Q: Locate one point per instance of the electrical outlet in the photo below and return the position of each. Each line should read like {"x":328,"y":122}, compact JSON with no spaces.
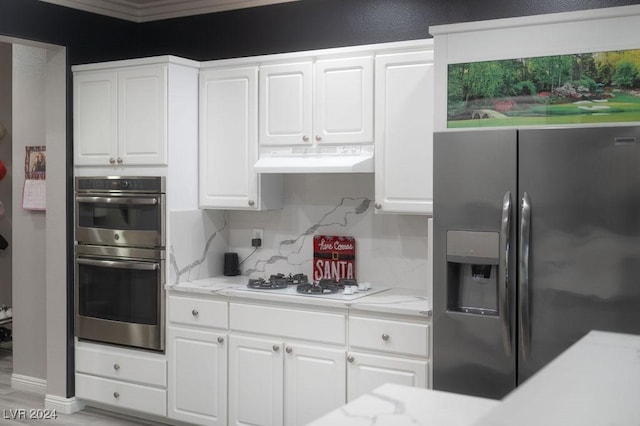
{"x":256,"y":237}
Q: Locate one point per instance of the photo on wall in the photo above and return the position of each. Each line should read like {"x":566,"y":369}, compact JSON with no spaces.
{"x":586,"y":88}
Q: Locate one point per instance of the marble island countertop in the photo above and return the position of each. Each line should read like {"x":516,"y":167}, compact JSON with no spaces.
{"x":388,"y":300}
{"x":594,"y":382}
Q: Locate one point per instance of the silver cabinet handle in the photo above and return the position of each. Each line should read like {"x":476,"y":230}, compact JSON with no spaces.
{"x":275,"y":348}
{"x":220,"y":339}
{"x":116,"y":395}
{"x":318,"y":138}
{"x":112,"y":160}
{"x":385,"y":337}
{"x":503,"y":273}
{"x":350,"y":358}
{"x":195,"y":313}
{"x":119,"y":160}
{"x":116,"y":367}
{"x":289,"y":349}
{"x":378,"y":206}
{"x":251,"y":203}
{"x":305,"y":138}
{"x":523,"y":275}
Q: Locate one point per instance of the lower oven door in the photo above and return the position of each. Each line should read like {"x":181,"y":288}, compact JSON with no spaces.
{"x":119,"y":296}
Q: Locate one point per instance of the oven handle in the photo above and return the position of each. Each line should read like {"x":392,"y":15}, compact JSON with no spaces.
{"x":117,"y":200}
{"x":119,"y":264}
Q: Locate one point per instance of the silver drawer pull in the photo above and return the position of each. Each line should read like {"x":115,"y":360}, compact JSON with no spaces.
{"x":116,"y":367}
{"x":276,"y":348}
{"x":116,"y":395}
{"x":195,"y":313}
{"x":385,"y":337}
{"x":289,"y":349}
{"x":350,"y":358}
{"x":220,"y":339}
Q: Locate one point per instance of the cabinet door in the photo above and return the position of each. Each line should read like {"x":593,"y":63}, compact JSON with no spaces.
{"x":228,"y":138}
{"x":404,"y":133}
{"x":285,"y":104}
{"x":142,"y":115}
{"x":95,"y":118}
{"x":197,"y":376}
{"x":343,"y":100}
{"x":366,"y":372}
{"x":315,"y":382}
{"x":255,"y":381}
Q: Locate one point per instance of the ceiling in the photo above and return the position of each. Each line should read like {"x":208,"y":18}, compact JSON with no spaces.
{"x":152,"y":10}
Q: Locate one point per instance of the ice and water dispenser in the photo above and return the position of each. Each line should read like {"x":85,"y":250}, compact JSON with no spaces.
{"x":472,"y":272}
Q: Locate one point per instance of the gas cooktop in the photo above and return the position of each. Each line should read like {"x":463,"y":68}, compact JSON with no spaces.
{"x":298,"y":284}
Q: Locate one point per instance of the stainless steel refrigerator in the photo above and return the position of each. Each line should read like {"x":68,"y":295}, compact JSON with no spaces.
{"x":536,"y":242}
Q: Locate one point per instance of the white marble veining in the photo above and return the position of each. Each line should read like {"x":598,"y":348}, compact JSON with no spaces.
{"x":391,"y":250}
{"x":196,"y":244}
{"x":396,"y":405}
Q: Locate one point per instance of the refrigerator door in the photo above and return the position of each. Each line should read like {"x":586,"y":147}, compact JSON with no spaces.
{"x":583,"y":251}
{"x":475,"y":209}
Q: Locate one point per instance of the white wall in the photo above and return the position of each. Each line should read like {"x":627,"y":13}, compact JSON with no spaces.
{"x":5,"y":184}
{"x":391,"y":250}
{"x":29,"y":250}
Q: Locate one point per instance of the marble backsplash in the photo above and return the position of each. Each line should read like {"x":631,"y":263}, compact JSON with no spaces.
{"x":391,"y":250}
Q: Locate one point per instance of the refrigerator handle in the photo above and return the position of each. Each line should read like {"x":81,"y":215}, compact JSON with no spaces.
{"x":523,"y":275}
{"x":504,"y":273}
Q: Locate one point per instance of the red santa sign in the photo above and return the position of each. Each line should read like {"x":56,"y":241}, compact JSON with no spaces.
{"x":334,"y":257}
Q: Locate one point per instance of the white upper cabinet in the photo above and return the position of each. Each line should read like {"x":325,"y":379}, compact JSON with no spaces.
{"x":329,"y":101}
{"x":229,"y":143}
{"x":285,"y":104}
{"x":404,"y":132}
{"x":120,"y":116}
{"x":125,"y":112}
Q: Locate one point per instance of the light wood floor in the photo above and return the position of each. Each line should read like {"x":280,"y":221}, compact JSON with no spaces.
{"x":12,"y":400}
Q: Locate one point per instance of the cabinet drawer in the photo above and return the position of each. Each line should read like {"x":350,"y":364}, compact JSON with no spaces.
{"x":389,"y":336}
{"x":310,"y":325}
{"x":122,"y":364}
{"x":198,"y":311}
{"x":120,"y":394}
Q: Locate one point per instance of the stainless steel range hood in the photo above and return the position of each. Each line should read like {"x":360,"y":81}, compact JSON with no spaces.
{"x":325,"y":159}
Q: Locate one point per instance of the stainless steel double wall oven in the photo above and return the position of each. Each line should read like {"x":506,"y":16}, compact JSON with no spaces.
{"x":120,"y":260}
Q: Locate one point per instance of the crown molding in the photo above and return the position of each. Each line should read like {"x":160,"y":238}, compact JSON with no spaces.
{"x":153,"y":10}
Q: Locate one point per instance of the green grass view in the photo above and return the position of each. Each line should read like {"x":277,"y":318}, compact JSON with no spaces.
{"x":570,"y":89}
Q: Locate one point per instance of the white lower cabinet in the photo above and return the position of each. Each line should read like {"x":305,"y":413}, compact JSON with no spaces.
{"x":275,"y":382}
{"x":366,"y":372}
{"x":287,"y":364}
{"x":197,"y":358}
{"x":121,"y":378}
{"x":197,"y":376}
{"x":386,"y":351}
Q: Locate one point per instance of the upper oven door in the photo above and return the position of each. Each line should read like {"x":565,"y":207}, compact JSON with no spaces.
{"x":135,"y":220}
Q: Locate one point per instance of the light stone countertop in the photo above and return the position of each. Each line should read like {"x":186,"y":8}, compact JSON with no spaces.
{"x":394,"y":301}
{"x":593,"y":383}
{"x":396,"y":405}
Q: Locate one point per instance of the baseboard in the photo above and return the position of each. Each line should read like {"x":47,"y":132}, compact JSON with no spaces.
{"x":63,"y":405}
{"x":29,"y":384}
